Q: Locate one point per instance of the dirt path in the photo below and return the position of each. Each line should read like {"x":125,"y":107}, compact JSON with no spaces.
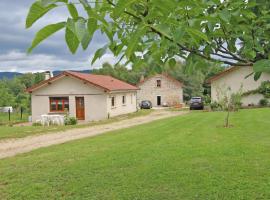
{"x":12,"y":147}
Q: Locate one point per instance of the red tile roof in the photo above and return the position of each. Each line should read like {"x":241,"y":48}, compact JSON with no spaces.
{"x":107,"y":83}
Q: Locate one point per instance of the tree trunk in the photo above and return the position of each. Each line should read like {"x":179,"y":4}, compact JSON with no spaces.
{"x":227,"y":119}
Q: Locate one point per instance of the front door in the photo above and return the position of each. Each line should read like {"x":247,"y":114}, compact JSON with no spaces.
{"x":158,"y":100}
{"x":80,"y":114}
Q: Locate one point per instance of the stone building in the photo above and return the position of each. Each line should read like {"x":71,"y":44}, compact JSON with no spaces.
{"x":160,"y":89}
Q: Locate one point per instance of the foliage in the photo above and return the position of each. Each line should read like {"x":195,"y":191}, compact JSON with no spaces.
{"x":36,"y":124}
{"x":186,"y":157}
{"x":264,"y":89}
{"x":12,"y":91}
{"x":229,"y":101}
{"x":264,"y":102}
{"x":70,"y":120}
{"x":215,"y":106}
{"x":225,"y":31}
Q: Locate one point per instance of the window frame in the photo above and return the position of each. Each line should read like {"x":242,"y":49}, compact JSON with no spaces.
{"x":113,"y":101}
{"x":63,"y":100}
{"x":124,"y":100}
{"x":158,"y":83}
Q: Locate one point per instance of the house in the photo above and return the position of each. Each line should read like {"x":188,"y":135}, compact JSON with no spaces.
{"x":85,"y":96}
{"x":238,"y":80}
{"x":160,"y":89}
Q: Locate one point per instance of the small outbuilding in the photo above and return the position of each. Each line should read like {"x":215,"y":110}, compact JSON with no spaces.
{"x":160,"y":89}
{"x":84,"y":96}
{"x":238,"y":79}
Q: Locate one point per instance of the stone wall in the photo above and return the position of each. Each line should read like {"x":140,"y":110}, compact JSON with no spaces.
{"x":171,"y":91}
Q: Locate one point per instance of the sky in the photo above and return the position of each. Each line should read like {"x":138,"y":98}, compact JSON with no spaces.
{"x":52,"y":54}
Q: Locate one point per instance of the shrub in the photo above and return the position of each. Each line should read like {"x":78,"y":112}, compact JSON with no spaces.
{"x":37,"y":124}
{"x":207,"y":99}
{"x":264,"y":102}
{"x":215,"y":106}
{"x":70,"y":120}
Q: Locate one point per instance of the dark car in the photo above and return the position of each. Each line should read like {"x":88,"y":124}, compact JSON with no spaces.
{"x":196,"y":103}
{"x":146,"y":104}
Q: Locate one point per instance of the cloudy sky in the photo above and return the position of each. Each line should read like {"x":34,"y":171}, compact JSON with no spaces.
{"x":52,"y":54}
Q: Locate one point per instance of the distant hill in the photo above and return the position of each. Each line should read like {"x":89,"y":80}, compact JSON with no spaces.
{"x":55,"y":73}
{"x":10,"y":75}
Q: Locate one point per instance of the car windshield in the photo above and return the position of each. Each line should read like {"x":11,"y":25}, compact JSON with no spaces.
{"x":145,"y":103}
{"x":196,"y":99}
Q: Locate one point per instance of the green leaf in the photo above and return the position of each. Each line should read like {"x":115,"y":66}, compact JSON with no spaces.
{"x":197,"y":34}
{"x":71,"y":40}
{"x":85,"y":4}
{"x":257,"y":75}
{"x":92,"y":25}
{"x":80,"y":28}
{"x":47,"y":2}
{"x":72,"y":10}
{"x":99,"y":53}
{"x":134,"y":40}
{"x":86,"y":40}
{"x":172,"y":62}
{"x":225,"y":15}
{"x":37,"y":11}
{"x":262,"y":66}
{"x":122,"y":5}
{"x":45,"y":33}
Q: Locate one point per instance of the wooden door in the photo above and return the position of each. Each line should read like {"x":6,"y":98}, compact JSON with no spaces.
{"x":80,"y":111}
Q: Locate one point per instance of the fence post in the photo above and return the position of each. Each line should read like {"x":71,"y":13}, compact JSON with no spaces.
{"x":9,"y":114}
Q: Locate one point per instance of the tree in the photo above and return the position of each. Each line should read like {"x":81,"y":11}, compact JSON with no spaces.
{"x":229,"y":101}
{"x":231,"y":32}
{"x":12,"y":91}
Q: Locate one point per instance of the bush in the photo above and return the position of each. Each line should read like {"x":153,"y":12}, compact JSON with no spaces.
{"x":264,"y":102}
{"x":70,"y":120}
{"x":215,"y":106}
{"x":37,"y":124}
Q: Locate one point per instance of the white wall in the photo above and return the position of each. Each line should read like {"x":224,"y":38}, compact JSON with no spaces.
{"x":119,"y":108}
{"x":235,"y":80}
{"x":95,"y":98}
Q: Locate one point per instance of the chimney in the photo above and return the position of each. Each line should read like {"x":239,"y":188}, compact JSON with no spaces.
{"x":48,"y":75}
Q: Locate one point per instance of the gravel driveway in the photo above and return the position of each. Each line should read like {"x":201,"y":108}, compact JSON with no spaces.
{"x":12,"y":147}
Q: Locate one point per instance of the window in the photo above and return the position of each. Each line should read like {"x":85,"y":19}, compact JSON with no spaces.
{"x":131,"y":98}
{"x":123,"y":100}
{"x":59,"y":104}
{"x":113,"y":101}
{"x":158,"y":83}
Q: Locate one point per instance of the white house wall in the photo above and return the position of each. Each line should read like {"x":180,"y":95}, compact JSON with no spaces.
{"x":120,"y":108}
{"x":236,"y":80}
{"x":95,"y":98}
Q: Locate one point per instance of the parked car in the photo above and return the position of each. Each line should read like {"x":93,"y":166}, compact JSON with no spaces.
{"x":146,"y":104}
{"x":196,"y":103}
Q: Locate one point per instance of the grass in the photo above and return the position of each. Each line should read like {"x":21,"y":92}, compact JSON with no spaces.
{"x":14,"y":118}
{"x":185,"y":157}
{"x":7,"y":132}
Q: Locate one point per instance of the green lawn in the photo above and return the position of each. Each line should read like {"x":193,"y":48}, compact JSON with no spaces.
{"x":185,"y":157}
{"x":7,"y":132}
{"x":14,"y":118}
